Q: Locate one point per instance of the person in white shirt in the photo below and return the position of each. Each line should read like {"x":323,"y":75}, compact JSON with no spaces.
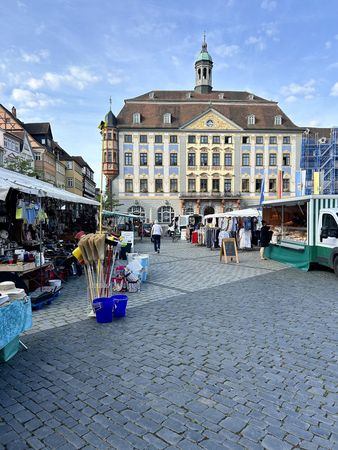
{"x":156,"y":233}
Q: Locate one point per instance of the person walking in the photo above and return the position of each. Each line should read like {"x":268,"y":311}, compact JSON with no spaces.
{"x":265,"y":238}
{"x":156,"y":233}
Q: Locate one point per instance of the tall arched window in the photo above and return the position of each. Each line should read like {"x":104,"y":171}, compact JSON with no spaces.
{"x":189,"y":210}
{"x":199,"y":74}
{"x":165,"y":214}
{"x":137,"y":211}
{"x":204,"y":73}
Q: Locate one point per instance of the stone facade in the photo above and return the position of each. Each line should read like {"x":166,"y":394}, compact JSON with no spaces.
{"x":200,"y":151}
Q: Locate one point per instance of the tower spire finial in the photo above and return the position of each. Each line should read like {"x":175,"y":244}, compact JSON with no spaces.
{"x":110,"y":102}
{"x":204,"y":43}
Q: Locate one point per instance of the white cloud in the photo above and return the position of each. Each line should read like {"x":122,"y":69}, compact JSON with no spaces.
{"x":3,"y":67}
{"x":268,"y":4}
{"x":300,"y":90}
{"x":226,"y":51}
{"x":34,"y":57}
{"x":34,"y":83}
{"x":257,"y":41}
{"x":291,"y":99}
{"x":2,"y":87}
{"x":334,"y":90}
{"x":75,"y":76}
{"x":29,"y":99}
{"x":328,"y":44}
{"x":114,"y":79}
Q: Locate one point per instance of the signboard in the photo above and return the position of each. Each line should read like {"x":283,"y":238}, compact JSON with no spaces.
{"x":128,"y":236}
{"x":229,"y":250}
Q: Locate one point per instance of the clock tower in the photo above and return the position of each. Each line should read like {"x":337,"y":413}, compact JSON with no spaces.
{"x":203,"y":71}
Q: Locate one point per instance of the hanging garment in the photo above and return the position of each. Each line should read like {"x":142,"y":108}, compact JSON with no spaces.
{"x":222,"y":235}
{"x":247,"y":223}
{"x":244,"y":238}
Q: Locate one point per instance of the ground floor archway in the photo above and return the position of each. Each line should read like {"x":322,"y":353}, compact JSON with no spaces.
{"x":209,"y":210}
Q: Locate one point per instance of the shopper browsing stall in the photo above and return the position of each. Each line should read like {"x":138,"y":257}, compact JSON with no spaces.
{"x":265,"y":238}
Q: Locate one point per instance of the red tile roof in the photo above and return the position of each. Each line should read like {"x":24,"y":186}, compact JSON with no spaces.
{"x":184,"y":106}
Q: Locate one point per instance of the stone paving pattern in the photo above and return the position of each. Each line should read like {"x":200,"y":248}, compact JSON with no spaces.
{"x":250,"y":363}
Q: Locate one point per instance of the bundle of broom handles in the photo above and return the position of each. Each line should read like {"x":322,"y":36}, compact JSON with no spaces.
{"x":99,"y":259}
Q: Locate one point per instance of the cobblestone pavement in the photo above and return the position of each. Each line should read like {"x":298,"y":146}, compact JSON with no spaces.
{"x":249,"y":361}
{"x":174,"y":272}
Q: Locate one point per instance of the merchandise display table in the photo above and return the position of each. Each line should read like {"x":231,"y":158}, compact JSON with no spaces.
{"x":15,"y":318}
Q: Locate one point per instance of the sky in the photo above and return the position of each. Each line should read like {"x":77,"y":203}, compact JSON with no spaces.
{"x":61,"y":60}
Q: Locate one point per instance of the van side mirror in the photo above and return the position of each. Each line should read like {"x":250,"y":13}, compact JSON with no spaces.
{"x":324,"y":233}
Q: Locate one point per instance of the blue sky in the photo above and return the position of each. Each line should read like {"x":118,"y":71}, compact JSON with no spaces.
{"x":61,"y":60}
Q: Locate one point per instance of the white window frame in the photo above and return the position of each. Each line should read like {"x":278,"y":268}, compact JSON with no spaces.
{"x":278,"y":120}
{"x":167,"y":118}
{"x":136,"y":117}
{"x":251,"y":119}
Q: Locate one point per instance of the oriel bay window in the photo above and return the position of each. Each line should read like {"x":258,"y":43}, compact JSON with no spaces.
{"x":215,"y":185}
{"x":245,"y":185}
{"x":191,"y":185}
{"x":228,"y":159}
{"x":191,"y":159}
{"x":143,"y":159}
{"x":204,"y":159}
{"x":128,"y":185}
{"x":158,"y":159}
{"x":173,"y":185}
{"x":143,"y":185}
{"x":204,"y":185}
{"x":216,"y":161}
{"x":128,"y":159}
{"x":159,"y":185}
{"x":173,"y":159}
{"x":227,"y":185}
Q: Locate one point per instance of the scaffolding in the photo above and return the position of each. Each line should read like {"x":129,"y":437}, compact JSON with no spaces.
{"x":320,"y":154}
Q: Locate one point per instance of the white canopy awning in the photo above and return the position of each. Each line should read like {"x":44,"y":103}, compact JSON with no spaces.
{"x":249,"y":212}
{"x":30,"y":185}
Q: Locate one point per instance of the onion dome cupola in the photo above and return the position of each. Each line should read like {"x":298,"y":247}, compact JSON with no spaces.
{"x":203,"y":70}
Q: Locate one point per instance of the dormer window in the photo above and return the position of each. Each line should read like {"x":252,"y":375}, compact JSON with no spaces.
{"x":167,"y":118}
{"x":278,"y":120}
{"x":251,"y":119}
{"x":136,"y":118}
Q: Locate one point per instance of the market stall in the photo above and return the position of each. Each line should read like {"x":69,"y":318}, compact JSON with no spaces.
{"x":304,"y":230}
{"x":240,"y":224}
{"x":35,"y":220}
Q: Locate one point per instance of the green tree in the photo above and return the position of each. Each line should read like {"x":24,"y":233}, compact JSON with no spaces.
{"x":109,"y":201}
{"x":23,"y":166}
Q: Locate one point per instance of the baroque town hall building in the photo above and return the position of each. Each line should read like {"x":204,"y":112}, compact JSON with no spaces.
{"x":200,"y":151}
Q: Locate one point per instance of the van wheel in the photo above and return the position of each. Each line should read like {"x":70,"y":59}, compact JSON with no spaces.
{"x":335,"y":265}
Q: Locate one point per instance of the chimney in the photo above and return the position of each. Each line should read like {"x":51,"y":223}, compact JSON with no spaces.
{"x":14,"y":111}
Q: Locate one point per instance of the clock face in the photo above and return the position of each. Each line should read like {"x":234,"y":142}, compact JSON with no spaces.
{"x":209,"y":123}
